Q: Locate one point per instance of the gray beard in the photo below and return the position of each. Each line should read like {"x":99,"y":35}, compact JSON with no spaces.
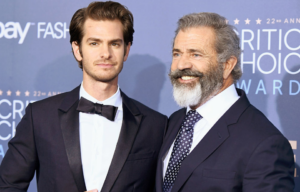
{"x":198,"y":93}
{"x":186,"y":96}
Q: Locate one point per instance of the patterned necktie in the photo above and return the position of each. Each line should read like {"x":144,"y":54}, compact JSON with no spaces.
{"x":107,"y":111}
{"x":181,"y":148}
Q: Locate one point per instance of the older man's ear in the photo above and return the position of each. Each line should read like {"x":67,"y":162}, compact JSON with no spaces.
{"x":229,"y":66}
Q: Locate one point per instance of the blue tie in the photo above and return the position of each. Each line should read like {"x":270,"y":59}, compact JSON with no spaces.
{"x":181,"y":149}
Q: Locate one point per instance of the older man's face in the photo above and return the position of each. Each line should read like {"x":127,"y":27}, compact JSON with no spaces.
{"x":195,"y":72}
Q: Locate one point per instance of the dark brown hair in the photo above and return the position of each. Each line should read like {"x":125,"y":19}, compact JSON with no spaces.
{"x":108,"y":10}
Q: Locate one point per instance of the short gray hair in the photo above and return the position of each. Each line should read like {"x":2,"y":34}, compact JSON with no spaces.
{"x":227,"y":42}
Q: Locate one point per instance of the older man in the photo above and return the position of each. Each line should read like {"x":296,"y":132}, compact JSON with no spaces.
{"x":218,"y":141}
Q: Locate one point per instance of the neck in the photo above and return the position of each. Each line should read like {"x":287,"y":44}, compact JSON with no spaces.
{"x":205,"y":100}
{"x":100,"y":90}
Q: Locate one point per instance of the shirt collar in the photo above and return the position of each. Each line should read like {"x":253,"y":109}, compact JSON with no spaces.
{"x":115,"y":99}
{"x":215,"y":108}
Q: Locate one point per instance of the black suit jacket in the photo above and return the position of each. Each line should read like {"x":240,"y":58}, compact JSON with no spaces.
{"x":243,"y":151}
{"x":47,"y":141}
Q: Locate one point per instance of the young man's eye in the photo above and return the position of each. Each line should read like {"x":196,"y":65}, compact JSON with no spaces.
{"x":115,"y":44}
{"x":93,"y":43}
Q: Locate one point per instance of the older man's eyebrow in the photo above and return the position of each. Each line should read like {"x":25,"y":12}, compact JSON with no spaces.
{"x":196,"y":51}
{"x":176,"y":50}
{"x":190,"y":51}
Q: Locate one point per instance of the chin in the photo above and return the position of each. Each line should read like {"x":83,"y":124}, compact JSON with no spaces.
{"x":187,"y":95}
{"x":105,"y":79}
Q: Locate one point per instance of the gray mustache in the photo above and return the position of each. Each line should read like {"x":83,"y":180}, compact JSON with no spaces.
{"x":185,"y":72}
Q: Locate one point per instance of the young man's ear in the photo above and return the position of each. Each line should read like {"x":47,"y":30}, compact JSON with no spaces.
{"x":229,"y":66}
{"x":127,"y":51}
{"x":76,"y":51}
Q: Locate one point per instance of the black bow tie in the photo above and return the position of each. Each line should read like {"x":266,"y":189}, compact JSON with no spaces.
{"x":107,"y":111}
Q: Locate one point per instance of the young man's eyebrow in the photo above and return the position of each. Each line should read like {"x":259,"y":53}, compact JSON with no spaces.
{"x":116,"y":41}
{"x":94,"y":39}
{"x":99,"y":40}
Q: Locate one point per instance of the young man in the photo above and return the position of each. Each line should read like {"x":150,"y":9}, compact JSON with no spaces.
{"x":218,"y":141}
{"x":94,"y":137}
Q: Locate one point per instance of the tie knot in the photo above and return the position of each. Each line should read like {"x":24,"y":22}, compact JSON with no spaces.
{"x":194,"y":115}
{"x":107,"y":111}
{"x":191,"y":118}
{"x":98,"y":108}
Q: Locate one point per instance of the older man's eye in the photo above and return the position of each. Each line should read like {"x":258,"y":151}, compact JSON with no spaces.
{"x":175,"y":54}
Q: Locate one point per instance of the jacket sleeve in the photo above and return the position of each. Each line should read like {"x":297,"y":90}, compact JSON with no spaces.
{"x":20,"y":162}
{"x":270,"y":167}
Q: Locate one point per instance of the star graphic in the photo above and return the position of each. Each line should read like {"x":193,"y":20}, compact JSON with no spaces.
{"x":236,"y":21}
{"x":247,"y":21}
{"x":27,"y":93}
{"x":8,"y":93}
{"x":258,"y":21}
{"x":1,"y":92}
{"x":18,"y":93}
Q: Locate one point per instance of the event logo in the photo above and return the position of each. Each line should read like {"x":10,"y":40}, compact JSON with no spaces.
{"x":270,"y":48}
{"x":57,"y":30}
{"x":12,"y":109}
{"x":13,"y":30}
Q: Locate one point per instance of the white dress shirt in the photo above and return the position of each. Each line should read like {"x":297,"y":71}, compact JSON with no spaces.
{"x":98,"y":140}
{"x":211,"y":111}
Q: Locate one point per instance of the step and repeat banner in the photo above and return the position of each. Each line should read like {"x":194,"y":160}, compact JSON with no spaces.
{"x":36,"y":60}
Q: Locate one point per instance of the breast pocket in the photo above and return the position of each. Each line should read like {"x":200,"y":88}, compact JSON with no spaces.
{"x":140,"y":156}
{"x":218,"y":174}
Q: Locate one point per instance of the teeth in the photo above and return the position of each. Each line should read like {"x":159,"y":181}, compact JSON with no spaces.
{"x":187,"y":77}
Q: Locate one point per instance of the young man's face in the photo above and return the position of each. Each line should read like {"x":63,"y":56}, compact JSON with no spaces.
{"x":102,"y":50}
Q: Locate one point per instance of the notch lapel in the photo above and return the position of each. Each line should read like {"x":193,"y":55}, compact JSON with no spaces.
{"x":173,"y":128}
{"x":69,"y":122}
{"x":211,"y":141}
{"x":130,"y":125}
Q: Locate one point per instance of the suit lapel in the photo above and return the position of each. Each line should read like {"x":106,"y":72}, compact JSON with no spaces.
{"x":174,"y":126}
{"x":69,"y":121}
{"x":212,"y":140}
{"x":130,"y":125}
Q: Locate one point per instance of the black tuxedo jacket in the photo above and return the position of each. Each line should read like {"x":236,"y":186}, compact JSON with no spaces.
{"x":47,"y":141}
{"x":243,"y":151}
